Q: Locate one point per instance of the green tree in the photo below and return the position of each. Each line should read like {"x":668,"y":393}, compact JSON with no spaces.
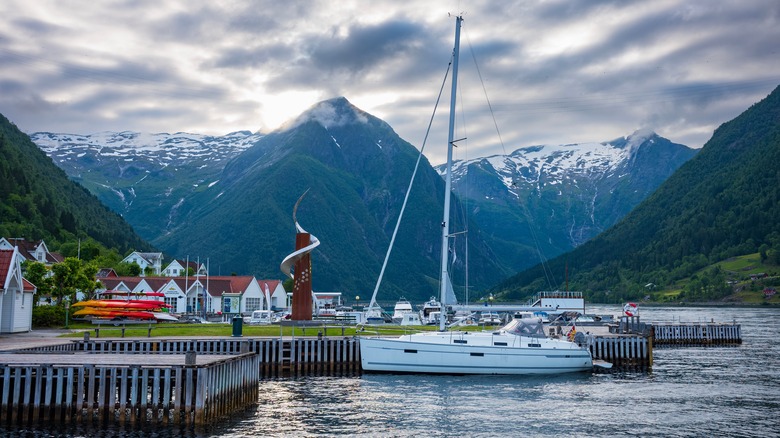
{"x":125,"y":269}
{"x":73,"y":275}
{"x":763,"y":252}
{"x":37,"y":274}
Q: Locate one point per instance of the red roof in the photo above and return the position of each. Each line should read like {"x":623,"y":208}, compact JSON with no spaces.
{"x":27,"y":249}
{"x":6,"y":255}
{"x":217,"y":285}
{"x":28,"y":287}
{"x":113,"y":282}
{"x":272,"y":284}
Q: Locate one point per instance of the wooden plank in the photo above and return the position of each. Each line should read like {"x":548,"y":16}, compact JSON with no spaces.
{"x":6,"y":394}
{"x":13,"y":400}
{"x":68,"y":402}
{"x":36,"y":415}
{"x":28,"y":390}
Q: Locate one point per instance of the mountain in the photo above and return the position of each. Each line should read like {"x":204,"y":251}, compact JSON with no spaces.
{"x":147,"y":178}
{"x":552,"y":198}
{"x":723,"y":202}
{"x":357,"y":169}
{"x":38,"y":201}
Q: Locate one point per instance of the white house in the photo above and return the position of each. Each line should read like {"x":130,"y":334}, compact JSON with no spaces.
{"x":227,"y":296}
{"x":177,"y":268}
{"x":145,"y":260}
{"x":16,"y":295}
{"x":174,"y":294}
{"x":275,"y":291}
{"x":35,"y":251}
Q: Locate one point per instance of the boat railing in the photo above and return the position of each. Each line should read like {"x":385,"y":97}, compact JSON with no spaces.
{"x":558,"y":294}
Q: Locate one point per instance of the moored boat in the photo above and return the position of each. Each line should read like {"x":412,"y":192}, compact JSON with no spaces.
{"x":430,"y":311}
{"x":520,"y":347}
{"x":402,"y":307}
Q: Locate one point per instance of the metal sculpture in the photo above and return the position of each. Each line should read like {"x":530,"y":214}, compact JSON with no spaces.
{"x":299,"y":262}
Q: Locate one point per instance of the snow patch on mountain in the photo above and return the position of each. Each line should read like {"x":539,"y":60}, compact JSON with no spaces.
{"x":542,"y":165}
{"x":330,"y":114}
{"x":128,"y":145}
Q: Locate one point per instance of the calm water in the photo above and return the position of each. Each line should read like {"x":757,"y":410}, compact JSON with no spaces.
{"x":692,"y":391}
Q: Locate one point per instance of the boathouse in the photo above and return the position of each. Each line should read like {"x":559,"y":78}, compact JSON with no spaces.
{"x":16,"y":294}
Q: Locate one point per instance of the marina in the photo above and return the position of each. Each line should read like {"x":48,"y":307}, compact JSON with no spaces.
{"x":286,"y":361}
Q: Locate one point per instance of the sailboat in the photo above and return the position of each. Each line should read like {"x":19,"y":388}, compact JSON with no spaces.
{"x":520,"y":347}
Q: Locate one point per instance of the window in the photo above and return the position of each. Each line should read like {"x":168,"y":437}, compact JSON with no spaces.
{"x":254,"y":304}
{"x":173,"y":302}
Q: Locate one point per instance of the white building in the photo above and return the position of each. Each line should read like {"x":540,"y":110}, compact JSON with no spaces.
{"x":16,"y":294}
{"x":145,"y":260}
{"x":177,"y":268}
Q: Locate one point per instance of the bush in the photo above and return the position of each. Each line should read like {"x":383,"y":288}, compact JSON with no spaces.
{"x":48,"y":316}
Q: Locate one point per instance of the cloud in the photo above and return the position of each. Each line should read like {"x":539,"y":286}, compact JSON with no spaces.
{"x":556,"y":71}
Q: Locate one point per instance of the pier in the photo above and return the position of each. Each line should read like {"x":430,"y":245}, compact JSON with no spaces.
{"x":697,"y":333}
{"x":100,"y":388}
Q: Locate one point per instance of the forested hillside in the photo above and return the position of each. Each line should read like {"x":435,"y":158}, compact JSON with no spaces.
{"x":38,"y":201}
{"x":722,"y":203}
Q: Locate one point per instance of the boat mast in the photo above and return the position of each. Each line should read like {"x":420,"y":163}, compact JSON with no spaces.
{"x":445,"y":224}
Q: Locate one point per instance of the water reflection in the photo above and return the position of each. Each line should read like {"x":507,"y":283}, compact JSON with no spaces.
{"x":692,"y":391}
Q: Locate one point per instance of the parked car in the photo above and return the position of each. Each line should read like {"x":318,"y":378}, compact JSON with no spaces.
{"x":191,"y":319}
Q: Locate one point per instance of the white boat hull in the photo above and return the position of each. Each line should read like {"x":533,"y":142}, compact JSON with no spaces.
{"x":437,"y":353}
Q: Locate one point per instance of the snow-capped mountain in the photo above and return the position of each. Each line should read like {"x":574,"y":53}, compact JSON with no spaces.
{"x":144,"y":177}
{"x":163,"y":148}
{"x":559,"y":196}
{"x":197,"y":194}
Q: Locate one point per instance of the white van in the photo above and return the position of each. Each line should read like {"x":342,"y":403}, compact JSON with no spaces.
{"x":261,"y":317}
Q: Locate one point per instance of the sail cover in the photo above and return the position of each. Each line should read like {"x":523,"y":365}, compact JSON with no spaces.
{"x":449,"y":296}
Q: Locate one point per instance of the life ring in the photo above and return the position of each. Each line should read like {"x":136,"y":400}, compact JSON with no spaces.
{"x":631,"y":309}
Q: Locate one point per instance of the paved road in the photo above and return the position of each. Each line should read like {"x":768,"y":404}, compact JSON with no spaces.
{"x":34,"y":338}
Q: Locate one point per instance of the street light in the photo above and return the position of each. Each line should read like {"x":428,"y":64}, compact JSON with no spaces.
{"x":67,"y":310}
{"x":357,"y":300}
{"x":491,"y":299}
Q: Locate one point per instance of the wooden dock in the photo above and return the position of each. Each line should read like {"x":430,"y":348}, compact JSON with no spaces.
{"x":278,"y":357}
{"x":697,"y":333}
{"x":626,"y":351}
{"x":82,"y":387}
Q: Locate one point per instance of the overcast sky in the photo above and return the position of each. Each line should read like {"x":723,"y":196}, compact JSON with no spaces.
{"x":556,"y":71}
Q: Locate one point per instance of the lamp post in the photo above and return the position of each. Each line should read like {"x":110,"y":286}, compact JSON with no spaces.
{"x":357,"y":300}
{"x":67,"y":310}
{"x":491,"y":299}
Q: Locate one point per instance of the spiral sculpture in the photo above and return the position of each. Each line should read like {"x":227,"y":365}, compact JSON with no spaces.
{"x":299,"y":262}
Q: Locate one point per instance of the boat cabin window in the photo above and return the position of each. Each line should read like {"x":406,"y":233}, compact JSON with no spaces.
{"x":531,"y":327}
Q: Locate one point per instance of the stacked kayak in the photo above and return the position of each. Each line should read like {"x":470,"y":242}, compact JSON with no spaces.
{"x":114,"y":309}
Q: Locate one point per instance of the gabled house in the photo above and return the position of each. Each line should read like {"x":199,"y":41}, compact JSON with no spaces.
{"x":16,"y":294}
{"x":145,"y":260}
{"x":174,"y":296}
{"x":178,"y":268}
{"x":227,"y":296}
{"x":106,"y":273}
{"x":33,"y":251}
{"x":276,"y":293}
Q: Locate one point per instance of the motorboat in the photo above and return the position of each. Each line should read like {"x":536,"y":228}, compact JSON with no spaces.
{"x":402,"y":307}
{"x":489,"y":318}
{"x":431,"y":306}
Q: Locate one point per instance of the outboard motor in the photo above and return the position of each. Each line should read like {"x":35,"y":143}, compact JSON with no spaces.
{"x":581,"y":339}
